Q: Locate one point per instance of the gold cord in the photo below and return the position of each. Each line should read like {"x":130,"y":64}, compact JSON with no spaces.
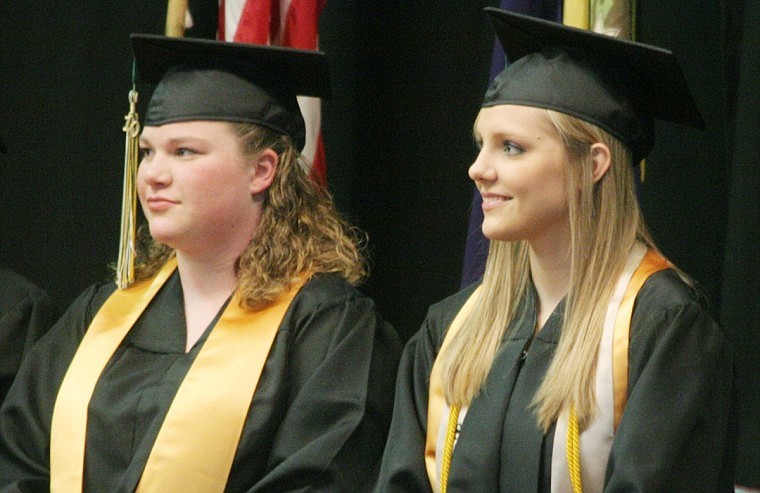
{"x":125,"y":269}
{"x":573,"y":451}
{"x":448,"y":446}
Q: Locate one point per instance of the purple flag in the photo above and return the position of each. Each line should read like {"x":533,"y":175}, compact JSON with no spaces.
{"x":476,"y":247}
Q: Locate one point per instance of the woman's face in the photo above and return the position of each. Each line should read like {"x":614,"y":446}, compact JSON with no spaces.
{"x":195,"y":187}
{"x":520,"y":175}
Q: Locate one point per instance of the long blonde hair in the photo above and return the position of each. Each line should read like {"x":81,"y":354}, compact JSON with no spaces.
{"x":605,"y":222}
{"x":300,"y":230}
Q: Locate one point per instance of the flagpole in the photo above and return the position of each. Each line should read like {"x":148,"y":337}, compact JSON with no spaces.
{"x":175,"y":18}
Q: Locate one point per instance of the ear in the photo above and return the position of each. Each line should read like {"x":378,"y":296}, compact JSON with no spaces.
{"x":600,"y":157}
{"x":263,"y":170}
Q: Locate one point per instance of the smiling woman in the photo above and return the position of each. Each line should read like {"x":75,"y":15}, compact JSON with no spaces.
{"x":520,"y":172}
{"x":242,"y":357}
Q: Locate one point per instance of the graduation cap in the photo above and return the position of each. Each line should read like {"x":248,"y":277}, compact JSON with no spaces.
{"x":200,"y":79}
{"x":621,"y":86}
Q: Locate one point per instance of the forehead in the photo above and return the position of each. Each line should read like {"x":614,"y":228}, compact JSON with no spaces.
{"x":195,"y":129}
{"x":511,"y":118}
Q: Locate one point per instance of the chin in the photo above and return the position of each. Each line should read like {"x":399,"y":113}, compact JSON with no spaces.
{"x":162,"y":236}
{"x":499,"y":233}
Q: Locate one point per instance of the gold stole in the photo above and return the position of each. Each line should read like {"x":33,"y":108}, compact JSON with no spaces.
{"x":651,"y":263}
{"x":196,"y":444}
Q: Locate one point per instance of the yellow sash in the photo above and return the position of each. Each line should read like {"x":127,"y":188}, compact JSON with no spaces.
{"x":653,"y":262}
{"x":198,"y":439}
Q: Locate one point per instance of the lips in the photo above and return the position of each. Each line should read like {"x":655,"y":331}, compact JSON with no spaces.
{"x":492,"y":200}
{"x":158,"y":204}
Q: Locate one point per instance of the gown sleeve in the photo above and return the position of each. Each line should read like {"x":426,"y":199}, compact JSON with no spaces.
{"x":403,"y":467}
{"x":26,"y":313}
{"x":678,"y":430}
{"x":343,"y":361}
{"x":26,"y":414}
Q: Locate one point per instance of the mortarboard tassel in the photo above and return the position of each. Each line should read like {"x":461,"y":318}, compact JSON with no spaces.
{"x":125,"y":269}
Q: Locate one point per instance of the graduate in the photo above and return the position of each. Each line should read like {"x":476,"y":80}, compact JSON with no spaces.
{"x":236,"y":354}
{"x":583,"y":361}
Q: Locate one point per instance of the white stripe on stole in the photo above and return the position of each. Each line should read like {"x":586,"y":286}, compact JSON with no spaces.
{"x":596,"y":440}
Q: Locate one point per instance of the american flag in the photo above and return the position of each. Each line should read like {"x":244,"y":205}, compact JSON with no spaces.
{"x":289,"y":23}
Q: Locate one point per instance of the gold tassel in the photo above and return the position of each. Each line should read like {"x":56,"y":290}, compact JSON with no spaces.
{"x":125,"y":269}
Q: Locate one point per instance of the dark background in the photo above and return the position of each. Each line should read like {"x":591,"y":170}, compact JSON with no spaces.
{"x":407,"y":78}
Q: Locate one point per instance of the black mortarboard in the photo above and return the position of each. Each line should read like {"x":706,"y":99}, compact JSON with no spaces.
{"x":200,"y":79}
{"x":618,"y":85}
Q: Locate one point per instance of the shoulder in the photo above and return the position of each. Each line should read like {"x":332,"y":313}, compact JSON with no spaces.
{"x":329,"y":300}
{"x":667,"y":294}
{"x":326,"y":288}
{"x":670,"y":311}
{"x":16,"y":289}
{"x":93,"y":298}
{"x":440,"y":315}
{"x":77,"y":317}
{"x":446,"y":309}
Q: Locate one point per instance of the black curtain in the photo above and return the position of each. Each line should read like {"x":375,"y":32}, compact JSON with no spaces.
{"x":740,"y":307}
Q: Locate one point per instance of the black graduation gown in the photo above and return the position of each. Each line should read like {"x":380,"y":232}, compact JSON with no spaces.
{"x":26,"y":313}
{"x":677,"y":433}
{"x":318,"y":419}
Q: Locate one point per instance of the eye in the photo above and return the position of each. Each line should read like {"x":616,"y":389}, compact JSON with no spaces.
{"x":184,"y":152}
{"x":145,"y":153}
{"x":511,"y":148}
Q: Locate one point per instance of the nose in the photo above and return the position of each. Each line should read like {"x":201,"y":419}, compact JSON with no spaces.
{"x":154,"y":170}
{"x":481,"y":169}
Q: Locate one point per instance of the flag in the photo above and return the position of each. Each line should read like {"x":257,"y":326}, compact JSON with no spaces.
{"x":476,"y":245}
{"x":288,"y":23}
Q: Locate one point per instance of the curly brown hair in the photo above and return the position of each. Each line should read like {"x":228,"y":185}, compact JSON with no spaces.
{"x":300,"y":232}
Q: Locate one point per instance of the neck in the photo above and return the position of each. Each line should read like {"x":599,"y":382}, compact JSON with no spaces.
{"x":206,"y":277}
{"x":206,"y":285}
{"x":550,"y":272}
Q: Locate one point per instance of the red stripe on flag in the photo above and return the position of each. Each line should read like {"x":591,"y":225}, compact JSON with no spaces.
{"x":255,"y":22}
{"x":319,"y":163}
{"x":302,"y":24}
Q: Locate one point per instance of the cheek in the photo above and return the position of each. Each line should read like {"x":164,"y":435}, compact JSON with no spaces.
{"x":223,"y":191}
{"x":140,"y":184}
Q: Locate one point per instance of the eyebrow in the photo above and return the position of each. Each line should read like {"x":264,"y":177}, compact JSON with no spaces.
{"x":175,"y":140}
